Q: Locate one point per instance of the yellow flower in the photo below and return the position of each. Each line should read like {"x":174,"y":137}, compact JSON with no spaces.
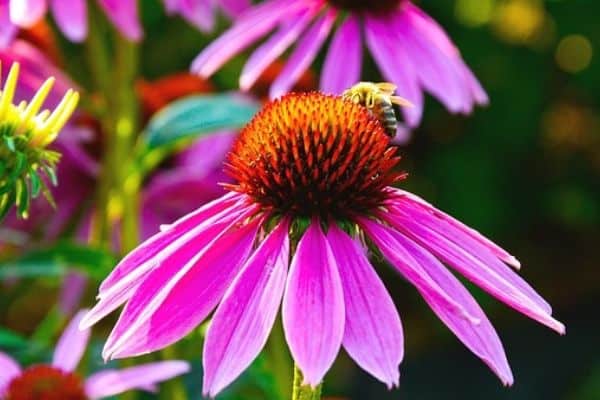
{"x":25,"y":132}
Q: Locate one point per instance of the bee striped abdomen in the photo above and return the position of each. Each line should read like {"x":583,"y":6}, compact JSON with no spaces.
{"x":387,"y":116}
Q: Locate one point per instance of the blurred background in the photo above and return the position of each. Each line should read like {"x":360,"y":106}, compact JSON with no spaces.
{"x":525,"y":171}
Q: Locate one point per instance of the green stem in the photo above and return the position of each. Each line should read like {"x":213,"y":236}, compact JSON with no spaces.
{"x":98,"y":57}
{"x":114,"y":73}
{"x":304,"y":392}
{"x":173,"y":389}
{"x":126,"y":127}
{"x":280,"y":361}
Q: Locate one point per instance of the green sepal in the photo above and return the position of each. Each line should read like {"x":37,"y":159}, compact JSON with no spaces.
{"x":10,"y":143}
{"x":6,"y":202}
{"x":22,"y":197}
{"x":36,"y":183}
{"x":20,"y":164}
{"x":51,"y":174}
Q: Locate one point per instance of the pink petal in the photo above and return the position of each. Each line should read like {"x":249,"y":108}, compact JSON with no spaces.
{"x":253,"y":24}
{"x":494,"y":277}
{"x":71,"y":291}
{"x":432,"y":32}
{"x":71,"y":17}
{"x":264,"y":55}
{"x":390,"y":243}
{"x":234,"y":8}
{"x":178,"y":295}
{"x":134,"y":268}
{"x":439,"y":73}
{"x":448,"y":219}
{"x":395,"y":62}
{"x":112,"y":382}
{"x":345,"y":49}
{"x":179,"y":252}
{"x":124,"y":15}
{"x":71,"y":345}
{"x":25,"y":13}
{"x":200,"y":13}
{"x":480,"y":338}
{"x":373,"y":332}
{"x":7,"y":29}
{"x":9,"y":369}
{"x":313,"y":306}
{"x":464,"y":239}
{"x":477,"y":90}
{"x":303,"y":54}
{"x":171,"y":6}
{"x":242,"y":323}
{"x":151,"y":247}
{"x":207,"y":153}
{"x":176,"y":192}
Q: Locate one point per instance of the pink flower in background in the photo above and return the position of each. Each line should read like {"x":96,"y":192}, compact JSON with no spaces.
{"x":59,"y":380}
{"x":313,"y":175}
{"x":193,"y":179}
{"x":410,"y":48}
{"x":71,"y":15}
{"x":201,"y":13}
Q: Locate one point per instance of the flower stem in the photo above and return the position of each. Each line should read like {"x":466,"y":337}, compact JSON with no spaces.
{"x":117,"y":199}
{"x":126,"y":128}
{"x":173,"y":389}
{"x":304,"y":392}
{"x":280,"y":361}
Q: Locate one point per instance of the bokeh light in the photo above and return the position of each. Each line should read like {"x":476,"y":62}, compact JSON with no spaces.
{"x":574,"y":53}
{"x":474,"y":13}
{"x":523,"y":22}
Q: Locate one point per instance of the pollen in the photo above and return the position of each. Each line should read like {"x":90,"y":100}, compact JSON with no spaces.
{"x":43,"y":382}
{"x":312,"y":154}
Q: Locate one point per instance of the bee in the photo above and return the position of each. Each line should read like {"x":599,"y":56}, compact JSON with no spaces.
{"x":379,"y":99}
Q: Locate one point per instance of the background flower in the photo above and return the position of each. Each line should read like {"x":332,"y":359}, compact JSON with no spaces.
{"x":60,"y":380}
{"x":71,"y":15}
{"x":410,"y":48}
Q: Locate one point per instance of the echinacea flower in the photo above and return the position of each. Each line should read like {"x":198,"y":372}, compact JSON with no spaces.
{"x":25,"y":160}
{"x":59,"y":380}
{"x":71,"y":15}
{"x":411,"y":49}
{"x":313,"y":193}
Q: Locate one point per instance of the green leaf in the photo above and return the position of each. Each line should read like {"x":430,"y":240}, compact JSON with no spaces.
{"x":57,"y":260}
{"x":10,"y":339}
{"x":194,"y":116}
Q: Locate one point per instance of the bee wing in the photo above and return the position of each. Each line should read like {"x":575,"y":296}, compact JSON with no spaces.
{"x":400,"y":101}
{"x":386,"y":87}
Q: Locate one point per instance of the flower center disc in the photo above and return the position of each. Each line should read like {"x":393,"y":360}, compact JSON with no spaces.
{"x":314,"y":154}
{"x":372,"y":6}
{"x":43,"y":382}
